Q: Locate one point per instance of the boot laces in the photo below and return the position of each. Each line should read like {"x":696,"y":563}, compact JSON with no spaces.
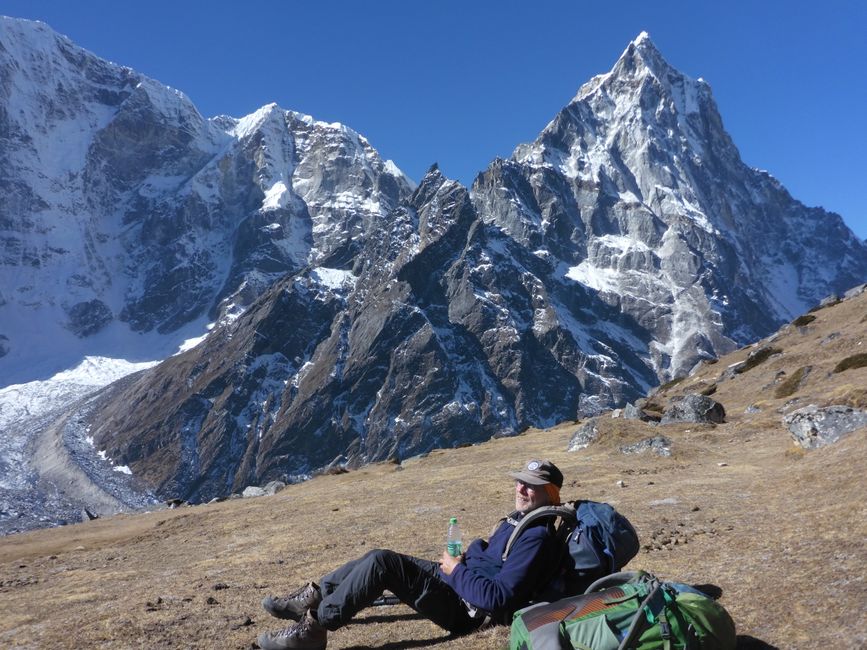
{"x":299,"y":629}
{"x":303,"y":593}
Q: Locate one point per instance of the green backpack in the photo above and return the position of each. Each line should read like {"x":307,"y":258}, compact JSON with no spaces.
{"x":628,"y":610}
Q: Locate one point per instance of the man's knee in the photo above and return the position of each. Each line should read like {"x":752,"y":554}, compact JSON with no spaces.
{"x":379,"y":557}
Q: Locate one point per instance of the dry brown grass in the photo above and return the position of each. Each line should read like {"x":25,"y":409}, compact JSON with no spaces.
{"x":780,"y":531}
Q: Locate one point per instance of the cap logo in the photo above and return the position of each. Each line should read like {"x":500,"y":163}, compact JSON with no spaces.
{"x":533,"y":465}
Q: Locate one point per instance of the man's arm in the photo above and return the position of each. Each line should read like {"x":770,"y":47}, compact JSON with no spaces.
{"x":513,"y":585}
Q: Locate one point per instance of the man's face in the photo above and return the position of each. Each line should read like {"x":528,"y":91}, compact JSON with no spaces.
{"x":529,"y":497}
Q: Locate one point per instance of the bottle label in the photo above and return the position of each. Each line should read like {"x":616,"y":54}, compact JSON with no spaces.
{"x":454,"y":548}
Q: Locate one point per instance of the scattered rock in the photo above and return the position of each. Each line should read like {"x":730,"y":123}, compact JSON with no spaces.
{"x":634,"y":412}
{"x":176,"y":503}
{"x":813,"y":427}
{"x":269,"y":489}
{"x":621,"y":484}
{"x":87,"y":515}
{"x":833,"y":299}
{"x":273,"y":487}
{"x":659,"y":445}
{"x":212,"y":601}
{"x":582,"y":438}
{"x":220,"y":586}
{"x":245,"y":623}
{"x":694,"y":408}
{"x":722,"y":464}
{"x":855,"y":291}
{"x":616,"y":413}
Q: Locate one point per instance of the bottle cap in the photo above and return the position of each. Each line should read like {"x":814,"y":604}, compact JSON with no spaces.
{"x":453,"y":520}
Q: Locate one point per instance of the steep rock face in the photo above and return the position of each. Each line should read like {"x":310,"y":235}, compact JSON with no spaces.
{"x":357,"y":319}
{"x":116,"y":192}
{"x":639,"y":194}
{"x":415,"y":347}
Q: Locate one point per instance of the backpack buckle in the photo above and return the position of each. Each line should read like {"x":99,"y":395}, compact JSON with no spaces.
{"x":664,"y":629}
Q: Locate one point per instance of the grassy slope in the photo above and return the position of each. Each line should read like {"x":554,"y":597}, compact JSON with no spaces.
{"x":780,"y":531}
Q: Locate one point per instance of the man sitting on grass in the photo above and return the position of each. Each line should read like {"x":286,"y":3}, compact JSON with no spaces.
{"x":456,"y":593}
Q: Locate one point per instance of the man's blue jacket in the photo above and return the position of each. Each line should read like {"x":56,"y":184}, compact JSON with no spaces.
{"x":486,"y":582}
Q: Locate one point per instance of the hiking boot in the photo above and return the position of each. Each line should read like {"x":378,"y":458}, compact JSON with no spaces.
{"x":295,"y":604}
{"x":306,"y":634}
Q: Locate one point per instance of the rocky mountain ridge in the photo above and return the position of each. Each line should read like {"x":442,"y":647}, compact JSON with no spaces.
{"x":360,"y":318}
{"x":131,"y":213}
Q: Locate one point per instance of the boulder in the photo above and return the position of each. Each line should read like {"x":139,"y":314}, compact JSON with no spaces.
{"x":273,"y":487}
{"x":659,"y":445}
{"x":252,"y":491}
{"x":813,"y":427}
{"x":582,"y":438}
{"x":833,"y":299}
{"x":694,"y":408}
{"x":633,"y":412}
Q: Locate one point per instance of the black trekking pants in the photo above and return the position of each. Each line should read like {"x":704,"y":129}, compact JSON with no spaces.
{"x":356,"y":584}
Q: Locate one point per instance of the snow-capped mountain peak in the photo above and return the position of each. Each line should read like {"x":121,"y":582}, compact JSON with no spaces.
{"x":641,"y":155}
{"x":129,"y":208}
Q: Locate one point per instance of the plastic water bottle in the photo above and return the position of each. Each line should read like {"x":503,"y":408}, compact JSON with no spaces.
{"x":453,"y":539}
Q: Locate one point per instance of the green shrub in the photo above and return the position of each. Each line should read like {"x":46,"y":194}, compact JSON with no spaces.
{"x":806,"y":319}
{"x":672,"y":383}
{"x":849,"y":363}
{"x":791,"y":384}
{"x":653,"y":407}
{"x":758,"y":356}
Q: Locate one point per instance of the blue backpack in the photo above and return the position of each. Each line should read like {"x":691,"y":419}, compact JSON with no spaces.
{"x":594,"y":541}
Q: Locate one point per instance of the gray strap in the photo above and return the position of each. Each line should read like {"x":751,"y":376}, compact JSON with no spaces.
{"x":639,"y":622}
{"x":615,"y":579}
{"x":538,"y":513}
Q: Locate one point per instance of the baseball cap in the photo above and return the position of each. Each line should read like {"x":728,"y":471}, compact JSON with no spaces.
{"x":539,"y":472}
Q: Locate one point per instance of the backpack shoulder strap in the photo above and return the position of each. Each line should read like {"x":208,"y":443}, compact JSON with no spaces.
{"x":511,"y":519}
{"x":566,"y":511}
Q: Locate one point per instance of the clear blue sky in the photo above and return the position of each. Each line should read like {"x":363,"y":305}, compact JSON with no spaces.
{"x":460,"y":83}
